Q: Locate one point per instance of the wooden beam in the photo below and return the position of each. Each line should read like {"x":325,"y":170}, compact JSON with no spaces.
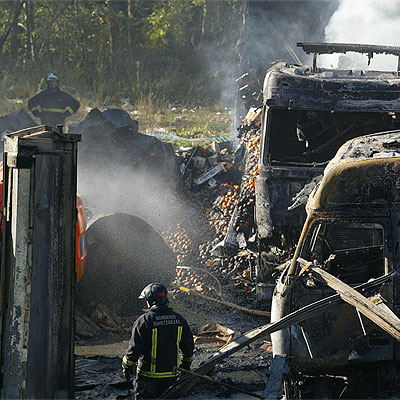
{"x":385,"y":320}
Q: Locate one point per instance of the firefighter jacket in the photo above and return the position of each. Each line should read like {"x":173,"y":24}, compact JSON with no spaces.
{"x":157,"y":338}
{"x":53,"y":106}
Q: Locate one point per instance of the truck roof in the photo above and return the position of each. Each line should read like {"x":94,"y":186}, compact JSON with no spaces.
{"x":298,"y":87}
{"x":364,"y":174}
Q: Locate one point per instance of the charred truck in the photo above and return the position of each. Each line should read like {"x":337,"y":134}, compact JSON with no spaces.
{"x":308,"y":113}
{"x":351,"y":233}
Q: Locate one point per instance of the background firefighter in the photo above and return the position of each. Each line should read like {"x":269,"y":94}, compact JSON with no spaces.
{"x":52,"y":105}
{"x":158,"y":337}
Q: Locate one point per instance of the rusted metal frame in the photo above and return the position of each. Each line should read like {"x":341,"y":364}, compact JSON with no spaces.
{"x":227,"y":385}
{"x":293,"y":263}
{"x":388,"y":322}
{"x":295,"y":279}
{"x":314,"y":62}
{"x":185,"y":384}
{"x":330,"y":48}
{"x":331,"y":215}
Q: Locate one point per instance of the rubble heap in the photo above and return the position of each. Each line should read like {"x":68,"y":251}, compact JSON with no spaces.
{"x":118,"y":245}
{"x":225,"y":250}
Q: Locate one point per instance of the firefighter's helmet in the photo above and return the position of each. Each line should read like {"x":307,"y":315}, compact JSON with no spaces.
{"x":52,"y":77}
{"x":155,"y":293}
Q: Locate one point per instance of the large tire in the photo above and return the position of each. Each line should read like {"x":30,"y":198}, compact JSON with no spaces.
{"x":124,"y":255}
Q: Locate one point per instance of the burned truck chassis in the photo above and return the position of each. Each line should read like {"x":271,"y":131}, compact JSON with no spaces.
{"x":351,"y":235}
{"x":308,"y":113}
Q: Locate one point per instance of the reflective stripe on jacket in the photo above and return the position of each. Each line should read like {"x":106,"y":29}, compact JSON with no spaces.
{"x":159,"y":336}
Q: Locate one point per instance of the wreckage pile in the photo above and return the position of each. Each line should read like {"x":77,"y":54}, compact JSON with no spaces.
{"x":224,"y":253}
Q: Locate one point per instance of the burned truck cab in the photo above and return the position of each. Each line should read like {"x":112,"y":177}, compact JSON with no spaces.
{"x":352,"y":231}
{"x":308,"y":113}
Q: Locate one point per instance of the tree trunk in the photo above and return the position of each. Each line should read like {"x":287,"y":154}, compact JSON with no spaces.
{"x":11,"y":22}
{"x":130,"y":19}
{"x":113,"y":30}
{"x":29,"y":45}
{"x":14,"y":38}
{"x":80,"y":32}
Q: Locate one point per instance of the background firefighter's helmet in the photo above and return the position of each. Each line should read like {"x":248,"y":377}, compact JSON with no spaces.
{"x":155,"y":293}
{"x":52,"y":77}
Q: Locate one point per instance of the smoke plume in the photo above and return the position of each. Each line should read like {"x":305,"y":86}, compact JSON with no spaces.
{"x":364,"y":22}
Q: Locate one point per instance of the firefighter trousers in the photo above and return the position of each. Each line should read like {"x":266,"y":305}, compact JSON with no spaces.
{"x":150,"y":388}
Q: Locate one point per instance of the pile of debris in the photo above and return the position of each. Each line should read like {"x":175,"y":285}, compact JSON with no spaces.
{"x":250,"y":87}
{"x":124,"y":253}
{"x":213,"y":165}
{"x":111,"y":138}
{"x":224,"y":252}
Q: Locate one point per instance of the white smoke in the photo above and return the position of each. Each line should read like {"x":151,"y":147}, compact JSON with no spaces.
{"x":364,"y":22}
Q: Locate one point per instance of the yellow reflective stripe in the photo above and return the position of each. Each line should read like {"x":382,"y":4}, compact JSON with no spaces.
{"x":34,"y":108}
{"x":187,"y":358}
{"x":70,"y":110}
{"x":171,"y":374}
{"x":57,"y":110}
{"x":127,"y":362}
{"x":178,"y":340}
{"x":153,"y":351}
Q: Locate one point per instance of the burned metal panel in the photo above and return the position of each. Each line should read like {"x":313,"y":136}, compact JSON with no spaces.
{"x":364,"y":184}
{"x":48,"y":367}
{"x":297,"y":87}
{"x":377,"y":145}
{"x":275,"y":189}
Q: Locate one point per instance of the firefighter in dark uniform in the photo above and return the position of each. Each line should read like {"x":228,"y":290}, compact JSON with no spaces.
{"x":158,"y":338}
{"x":52,"y":105}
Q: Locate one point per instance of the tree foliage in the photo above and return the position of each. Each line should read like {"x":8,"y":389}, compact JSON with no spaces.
{"x":121,"y":47}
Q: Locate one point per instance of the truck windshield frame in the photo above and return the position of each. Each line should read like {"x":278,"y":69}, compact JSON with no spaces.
{"x":304,"y":137}
{"x":353,"y":251}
